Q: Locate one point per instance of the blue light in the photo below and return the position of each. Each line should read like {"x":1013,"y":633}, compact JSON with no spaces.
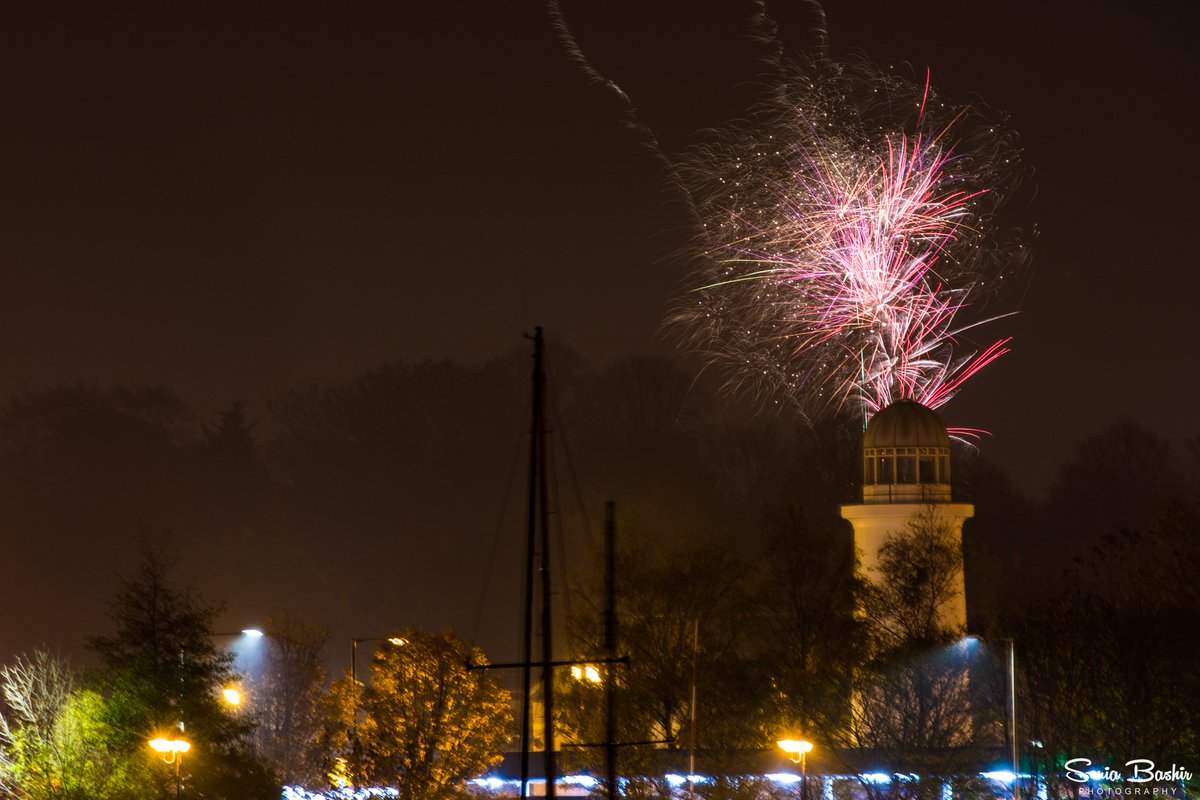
{"x":876,"y":777}
{"x":586,"y":781}
{"x":785,"y":778}
{"x":1002,"y":775}
{"x":493,"y":783}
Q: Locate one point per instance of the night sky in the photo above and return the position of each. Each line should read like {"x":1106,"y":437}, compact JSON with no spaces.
{"x":237,"y":199}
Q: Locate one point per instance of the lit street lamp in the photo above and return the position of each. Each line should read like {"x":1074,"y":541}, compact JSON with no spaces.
{"x":1012,"y":712}
{"x":1012,"y":717}
{"x":249,"y":633}
{"x":172,"y":752}
{"x":232,"y":695}
{"x":397,"y":641}
{"x":798,"y":750}
{"x":586,"y":673}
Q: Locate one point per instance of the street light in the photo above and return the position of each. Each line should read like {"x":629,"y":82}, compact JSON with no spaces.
{"x":586,"y":672}
{"x":798,"y":750}
{"x":232,"y":695}
{"x":1012,"y":712}
{"x":398,"y":641}
{"x":172,"y":752}
{"x":249,"y":633}
{"x":245,"y":642}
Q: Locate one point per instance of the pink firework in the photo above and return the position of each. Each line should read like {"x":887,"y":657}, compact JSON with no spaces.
{"x":849,"y":248}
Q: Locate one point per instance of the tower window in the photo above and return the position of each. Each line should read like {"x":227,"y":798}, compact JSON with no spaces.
{"x":928,"y":472}
{"x":883,"y":470}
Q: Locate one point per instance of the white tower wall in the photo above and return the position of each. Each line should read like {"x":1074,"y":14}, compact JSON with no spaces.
{"x":874,"y":522}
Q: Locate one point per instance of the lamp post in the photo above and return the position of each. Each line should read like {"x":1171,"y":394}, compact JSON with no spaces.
{"x":1014,"y":742}
{"x":172,"y":752}
{"x":798,"y":750}
{"x":397,"y":641}
{"x":1012,"y":717}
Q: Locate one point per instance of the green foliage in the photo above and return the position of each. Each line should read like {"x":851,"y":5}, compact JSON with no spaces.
{"x":428,"y":722}
{"x":55,"y":741}
{"x":94,"y":768}
{"x":163,"y":674}
{"x":161,"y":665}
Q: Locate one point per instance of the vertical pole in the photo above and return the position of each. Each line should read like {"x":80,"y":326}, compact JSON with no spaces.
{"x":804,"y":776}
{"x":1012,"y":717}
{"x":692,"y":736}
{"x":530,"y":549}
{"x":539,"y":394}
{"x":353,"y":708}
{"x":610,"y":647}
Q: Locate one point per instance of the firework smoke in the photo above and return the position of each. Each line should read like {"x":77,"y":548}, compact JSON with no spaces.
{"x":849,"y":242}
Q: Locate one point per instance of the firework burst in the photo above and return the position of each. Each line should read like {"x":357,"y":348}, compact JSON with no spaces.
{"x":850,"y":246}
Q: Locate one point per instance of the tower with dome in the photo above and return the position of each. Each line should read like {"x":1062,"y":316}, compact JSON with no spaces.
{"x":906,"y":468}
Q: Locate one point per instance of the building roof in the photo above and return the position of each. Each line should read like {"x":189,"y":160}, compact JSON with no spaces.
{"x":906,"y":423}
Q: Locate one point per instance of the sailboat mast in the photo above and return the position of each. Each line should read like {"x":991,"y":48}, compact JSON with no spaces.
{"x":548,"y":755}
{"x":530,"y":553}
{"x":538,"y":512}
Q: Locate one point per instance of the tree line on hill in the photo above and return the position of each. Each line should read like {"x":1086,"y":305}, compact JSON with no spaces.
{"x":726,"y":519}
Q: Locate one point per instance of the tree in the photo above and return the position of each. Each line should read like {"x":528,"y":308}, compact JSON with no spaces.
{"x":231,"y":474}
{"x":287,"y":691}
{"x":1120,"y":479}
{"x":54,"y":741}
{"x":81,"y":446}
{"x":920,"y":571}
{"x":813,"y":641}
{"x":36,"y":690}
{"x":1106,"y":668}
{"x":430,"y":723}
{"x":683,"y":611}
{"x":913,"y":698}
{"x":163,"y":676}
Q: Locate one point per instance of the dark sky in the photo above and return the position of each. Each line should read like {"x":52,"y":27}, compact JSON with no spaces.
{"x":235,"y":199}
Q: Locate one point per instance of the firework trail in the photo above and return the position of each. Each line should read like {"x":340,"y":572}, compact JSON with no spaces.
{"x":849,"y":242}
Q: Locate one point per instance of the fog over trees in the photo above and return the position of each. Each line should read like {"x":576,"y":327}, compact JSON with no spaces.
{"x":394,"y":499}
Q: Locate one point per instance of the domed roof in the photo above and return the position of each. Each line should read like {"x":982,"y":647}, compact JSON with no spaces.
{"x":906,"y":423}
